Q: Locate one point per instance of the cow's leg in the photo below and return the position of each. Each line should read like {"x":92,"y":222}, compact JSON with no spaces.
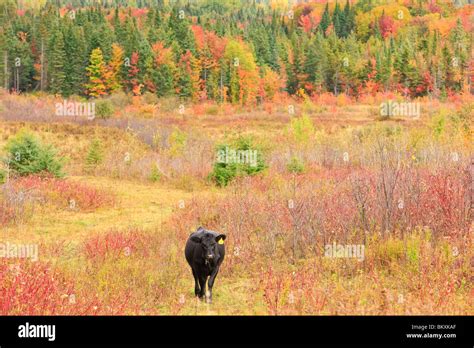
{"x":202,"y":284}
{"x":197,"y":289}
{"x":210,"y":284}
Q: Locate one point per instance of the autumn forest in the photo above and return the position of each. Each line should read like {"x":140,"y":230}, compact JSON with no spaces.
{"x":239,"y":52}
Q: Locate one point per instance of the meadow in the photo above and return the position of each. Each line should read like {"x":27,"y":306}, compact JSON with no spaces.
{"x":111,"y":230}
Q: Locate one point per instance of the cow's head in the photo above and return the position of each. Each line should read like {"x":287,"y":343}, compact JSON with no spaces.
{"x":209,"y":242}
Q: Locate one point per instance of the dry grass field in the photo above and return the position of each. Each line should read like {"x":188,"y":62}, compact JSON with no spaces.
{"x":111,"y":233}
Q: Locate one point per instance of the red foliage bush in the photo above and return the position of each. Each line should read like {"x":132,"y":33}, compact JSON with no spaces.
{"x":333,"y":204}
{"x":116,"y":243}
{"x":34,"y":288}
{"x":272,"y":284}
{"x":66,"y":193}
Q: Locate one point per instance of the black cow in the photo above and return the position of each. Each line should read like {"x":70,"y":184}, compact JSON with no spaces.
{"x":205,"y":252}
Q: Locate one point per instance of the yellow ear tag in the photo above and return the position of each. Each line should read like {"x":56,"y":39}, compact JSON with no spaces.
{"x":221,"y":241}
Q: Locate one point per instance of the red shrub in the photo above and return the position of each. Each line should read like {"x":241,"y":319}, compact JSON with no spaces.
{"x":34,"y":288}
{"x":66,"y":193}
{"x":445,"y":204}
{"x":273,"y":287}
{"x":332,"y":204}
{"x":115,"y":244}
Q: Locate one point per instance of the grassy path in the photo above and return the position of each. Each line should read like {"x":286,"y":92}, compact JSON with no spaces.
{"x":137,"y":205}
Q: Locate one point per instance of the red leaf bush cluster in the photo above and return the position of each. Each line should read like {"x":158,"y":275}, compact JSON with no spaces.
{"x":36,"y":288}
{"x":66,"y":193}
{"x":117,"y":243}
{"x":297,"y":216}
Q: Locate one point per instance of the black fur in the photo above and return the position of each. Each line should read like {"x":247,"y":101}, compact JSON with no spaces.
{"x":205,"y":255}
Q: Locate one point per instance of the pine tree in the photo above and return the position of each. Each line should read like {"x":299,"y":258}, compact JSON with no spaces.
{"x":349,"y":20}
{"x":75,"y":48}
{"x":163,"y":80}
{"x":406,"y":72}
{"x":180,"y":32}
{"x":22,"y":70}
{"x":57,"y":63}
{"x":95,"y":154}
{"x":188,"y":79}
{"x":164,"y":70}
{"x":460,"y":42}
{"x":145,"y":65}
{"x":447,"y":69}
{"x":296,"y":66}
{"x":325,"y":20}
{"x":338,"y":21}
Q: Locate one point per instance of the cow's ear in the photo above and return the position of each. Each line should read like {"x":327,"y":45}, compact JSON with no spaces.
{"x":199,"y":229}
{"x":221,"y":238}
{"x":195,"y":239}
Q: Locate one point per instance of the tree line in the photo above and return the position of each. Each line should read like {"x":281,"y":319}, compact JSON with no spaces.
{"x":241,"y":53}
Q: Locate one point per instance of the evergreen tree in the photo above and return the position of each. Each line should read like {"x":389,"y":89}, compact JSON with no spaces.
{"x":338,"y":21}
{"x":75,"y":49}
{"x":21,"y":62}
{"x":95,"y":154}
{"x":325,"y":20}
{"x":313,"y":66}
{"x":57,"y":63}
{"x":349,"y":20}
{"x":180,"y":31}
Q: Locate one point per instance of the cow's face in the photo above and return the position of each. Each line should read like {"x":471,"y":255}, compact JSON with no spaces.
{"x":209,"y":242}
